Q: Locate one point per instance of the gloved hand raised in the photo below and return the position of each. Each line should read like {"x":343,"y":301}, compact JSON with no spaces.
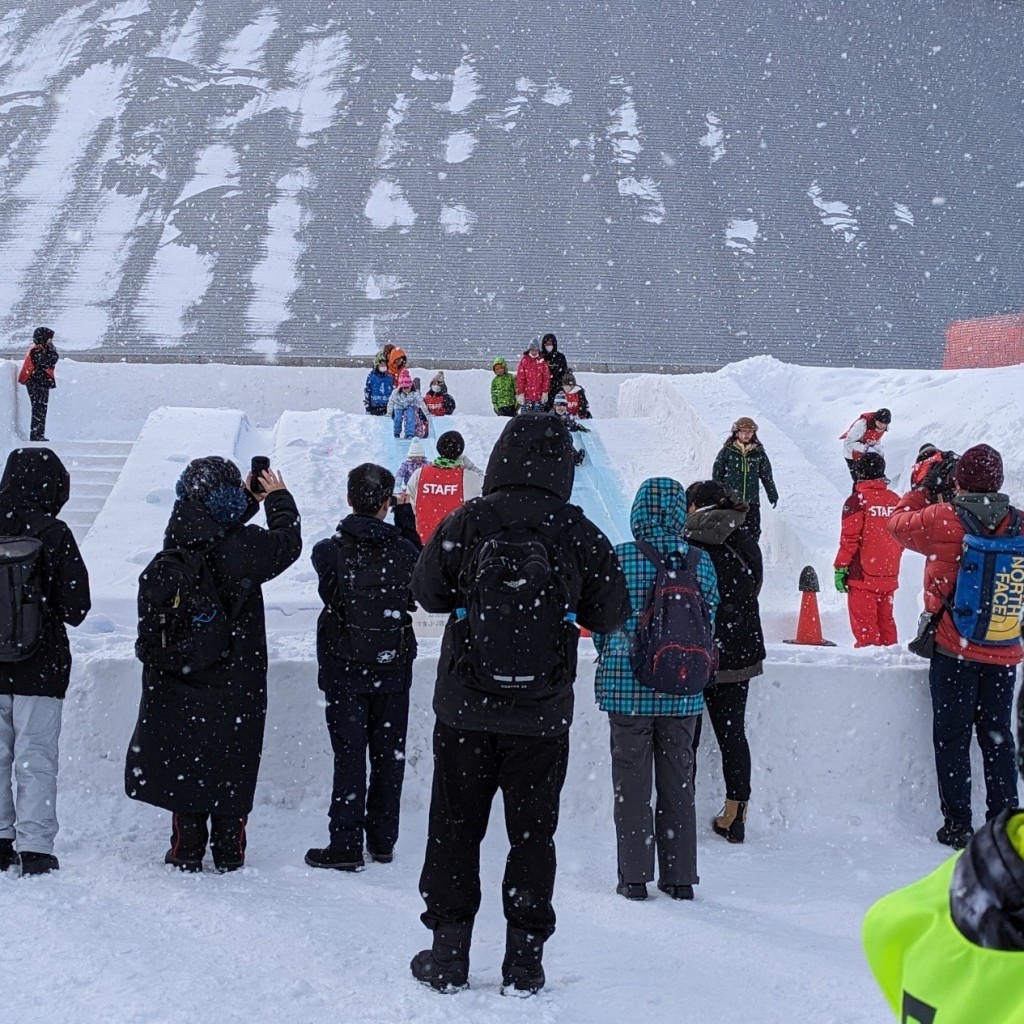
{"x":840,"y":578}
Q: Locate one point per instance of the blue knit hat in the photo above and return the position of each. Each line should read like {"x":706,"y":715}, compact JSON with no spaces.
{"x":217,"y":484}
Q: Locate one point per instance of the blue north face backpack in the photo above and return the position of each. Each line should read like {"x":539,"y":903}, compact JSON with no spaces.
{"x":989,"y":595}
{"x":673,"y":649}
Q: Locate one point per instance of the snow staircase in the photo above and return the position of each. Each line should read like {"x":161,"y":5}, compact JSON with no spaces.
{"x":94,"y":467}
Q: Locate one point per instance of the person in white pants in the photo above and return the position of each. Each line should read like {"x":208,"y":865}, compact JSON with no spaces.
{"x":43,"y":586}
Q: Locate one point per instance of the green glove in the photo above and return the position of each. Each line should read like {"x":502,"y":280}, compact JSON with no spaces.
{"x":840,"y":578}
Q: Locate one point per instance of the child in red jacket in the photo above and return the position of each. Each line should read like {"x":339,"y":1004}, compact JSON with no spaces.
{"x":867,"y":566}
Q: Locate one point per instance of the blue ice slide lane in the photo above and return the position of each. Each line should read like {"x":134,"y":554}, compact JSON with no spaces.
{"x":598,"y":489}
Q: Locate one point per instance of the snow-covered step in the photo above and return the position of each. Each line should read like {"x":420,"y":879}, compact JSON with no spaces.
{"x":94,"y":467}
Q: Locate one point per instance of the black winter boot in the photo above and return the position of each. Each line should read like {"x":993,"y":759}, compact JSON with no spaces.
{"x":731,"y":823}
{"x":38,"y":863}
{"x":521,"y":971}
{"x":954,"y":836}
{"x":227,"y":841}
{"x":336,"y":858}
{"x":188,"y":842}
{"x":8,"y":858}
{"x":445,"y":966}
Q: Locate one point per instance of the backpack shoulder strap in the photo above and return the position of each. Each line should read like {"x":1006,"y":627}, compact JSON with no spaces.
{"x":650,"y":553}
{"x":969,"y":521}
{"x":1013,"y":530}
{"x":485,"y":517}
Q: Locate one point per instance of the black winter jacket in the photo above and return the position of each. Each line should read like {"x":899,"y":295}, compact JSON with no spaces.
{"x":529,"y":477}
{"x":740,"y":570}
{"x":44,"y":357}
{"x":199,"y":737}
{"x":404,"y":545}
{"x":34,"y":488}
{"x":558,"y":368}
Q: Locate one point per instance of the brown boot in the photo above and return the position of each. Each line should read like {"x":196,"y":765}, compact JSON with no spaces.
{"x":731,"y":823}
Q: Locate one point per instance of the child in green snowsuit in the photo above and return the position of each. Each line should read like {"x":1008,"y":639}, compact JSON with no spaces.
{"x":503,"y":389}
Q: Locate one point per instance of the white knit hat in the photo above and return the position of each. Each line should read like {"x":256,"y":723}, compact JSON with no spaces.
{"x":416,"y":450}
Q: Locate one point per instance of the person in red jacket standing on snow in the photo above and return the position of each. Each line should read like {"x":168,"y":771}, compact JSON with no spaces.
{"x":971,"y":674}
{"x":864,"y":435}
{"x":867,"y":566}
{"x":533,"y":380}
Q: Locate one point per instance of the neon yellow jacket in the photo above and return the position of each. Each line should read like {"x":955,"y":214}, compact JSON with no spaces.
{"x":927,"y":967}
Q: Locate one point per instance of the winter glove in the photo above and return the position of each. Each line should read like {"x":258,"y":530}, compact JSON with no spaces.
{"x":939,"y":477}
{"x":520,"y":399}
{"x":840,"y":578}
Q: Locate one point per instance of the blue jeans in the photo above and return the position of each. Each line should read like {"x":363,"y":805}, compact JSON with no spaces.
{"x":406,"y":417}
{"x":969,"y":696}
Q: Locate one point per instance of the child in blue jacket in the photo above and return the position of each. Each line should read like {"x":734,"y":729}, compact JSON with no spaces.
{"x":379,"y":385}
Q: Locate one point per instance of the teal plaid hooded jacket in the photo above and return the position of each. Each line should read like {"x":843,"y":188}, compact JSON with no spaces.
{"x":658,"y":517}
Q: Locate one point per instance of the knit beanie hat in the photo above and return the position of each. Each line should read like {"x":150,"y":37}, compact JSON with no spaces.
{"x":560,"y":399}
{"x":534,"y":345}
{"x":980,"y":470}
{"x":438,"y":378}
{"x":41,"y":335}
{"x":216,"y":483}
{"x":870,"y":466}
{"x":450,"y":445}
{"x":744,"y":423}
{"x":926,"y":451}
{"x":569,"y":379}
{"x":405,"y":379}
{"x":416,"y":450}
{"x":883,"y":416}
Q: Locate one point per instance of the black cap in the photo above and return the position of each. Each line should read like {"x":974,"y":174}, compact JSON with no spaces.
{"x":926,"y":451}
{"x":870,"y":466}
{"x":42,"y":335}
{"x":883,"y":416}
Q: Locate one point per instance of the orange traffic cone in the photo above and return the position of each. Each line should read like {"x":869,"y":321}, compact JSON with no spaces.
{"x":808,"y":627}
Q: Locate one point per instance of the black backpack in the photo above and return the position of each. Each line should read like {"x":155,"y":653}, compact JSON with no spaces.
{"x":515,"y":632}
{"x":673,"y":649}
{"x":22,"y":597}
{"x":184,"y":625}
{"x":373,"y":602}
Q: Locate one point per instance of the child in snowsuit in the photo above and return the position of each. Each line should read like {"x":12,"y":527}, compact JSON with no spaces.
{"x":867,"y":565}
{"x":503,"y":389}
{"x":579,"y":407}
{"x":864,"y":435}
{"x":416,"y":459}
{"x":437,"y":399}
{"x":742,"y":465}
{"x":397,"y":362}
{"x":533,"y":380}
{"x":379,"y":385}
{"x":402,"y":406}
{"x":561,"y":409}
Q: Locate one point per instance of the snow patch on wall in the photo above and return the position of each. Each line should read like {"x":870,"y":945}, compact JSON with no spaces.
{"x":459,"y":147}
{"x":390,"y":145}
{"x":557,"y":95}
{"x":118,"y":21}
{"x":714,"y":138}
{"x":624,"y":129}
{"x":178,"y":279}
{"x":387,"y":207}
{"x":465,"y":87}
{"x":182,"y":43}
{"x":246,"y":49}
{"x":47,"y":52}
{"x":835,"y":215}
{"x":741,"y":234}
{"x":904,"y":215}
{"x":315,"y":71}
{"x":648,"y":194}
{"x":457,"y":219}
{"x":380,"y":286}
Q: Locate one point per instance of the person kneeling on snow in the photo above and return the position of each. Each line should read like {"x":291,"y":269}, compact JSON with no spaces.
{"x":437,"y":399}
{"x":867,"y":565}
{"x":579,"y":407}
{"x":951,"y":946}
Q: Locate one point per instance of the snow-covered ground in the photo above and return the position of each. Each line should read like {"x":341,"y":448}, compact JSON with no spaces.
{"x":844,"y":807}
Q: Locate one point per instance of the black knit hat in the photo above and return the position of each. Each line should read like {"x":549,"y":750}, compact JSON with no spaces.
{"x":883,"y":416}
{"x":870,"y":466}
{"x":926,"y":451}
{"x":450,"y":445}
{"x":41,"y":335}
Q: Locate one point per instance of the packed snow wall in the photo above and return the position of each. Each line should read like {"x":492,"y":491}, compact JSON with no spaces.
{"x":659,"y":183}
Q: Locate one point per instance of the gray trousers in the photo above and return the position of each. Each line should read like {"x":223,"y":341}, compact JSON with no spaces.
{"x":641,"y":744}
{"x":29,"y":732}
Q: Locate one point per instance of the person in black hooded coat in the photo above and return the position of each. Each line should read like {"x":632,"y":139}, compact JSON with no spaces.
{"x":519,"y":744}
{"x":199,"y":737}
{"x":34,"y":488}
{"x":715,"y":523}
{"x":557,"y":365}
